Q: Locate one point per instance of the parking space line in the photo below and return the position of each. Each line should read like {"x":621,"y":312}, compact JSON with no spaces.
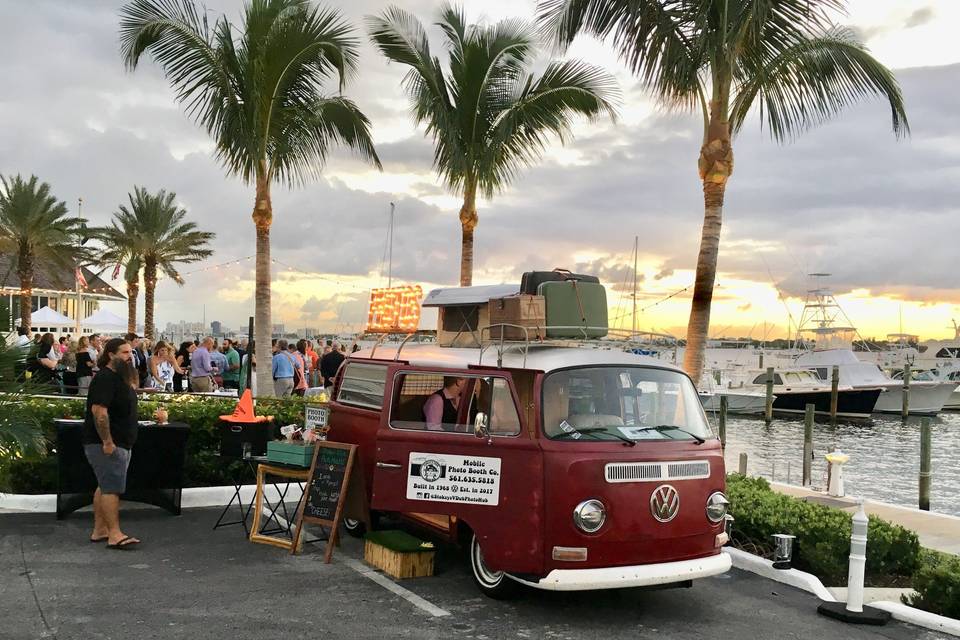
{"x":390,"y":585}
{"x":383,"y":581}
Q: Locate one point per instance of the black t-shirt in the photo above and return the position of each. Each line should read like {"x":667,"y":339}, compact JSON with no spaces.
{"x":329,"y":364}
{"x":84,"y":364}
{"x":111,"y":391}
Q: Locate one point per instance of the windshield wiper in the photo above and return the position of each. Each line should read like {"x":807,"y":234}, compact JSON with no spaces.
{"x":671,"y":427}
{"x":595,"y":430}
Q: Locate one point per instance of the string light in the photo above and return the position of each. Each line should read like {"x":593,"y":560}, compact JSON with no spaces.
{"x":395,"y":310}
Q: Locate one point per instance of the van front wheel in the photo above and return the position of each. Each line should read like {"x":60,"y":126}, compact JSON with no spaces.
{"x":493,"y":584}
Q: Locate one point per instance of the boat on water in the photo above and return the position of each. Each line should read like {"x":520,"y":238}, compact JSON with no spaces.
{"x":943,"y":373}
{"x":794,"y":389}
{"x":927,"y":397}
{"x":739,"y":401}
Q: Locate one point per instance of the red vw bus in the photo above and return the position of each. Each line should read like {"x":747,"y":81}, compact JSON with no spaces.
{"x":559,"y":467}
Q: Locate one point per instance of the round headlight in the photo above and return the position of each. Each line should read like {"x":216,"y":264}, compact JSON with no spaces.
{"x":589,"y":515}
{"x":717,"y":505}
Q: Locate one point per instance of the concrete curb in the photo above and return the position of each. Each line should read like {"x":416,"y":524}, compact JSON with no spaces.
{"x":811,"y":584}
{"x":920,"y":618}
{"x":191,"y":498}
{"x":763,"y":567}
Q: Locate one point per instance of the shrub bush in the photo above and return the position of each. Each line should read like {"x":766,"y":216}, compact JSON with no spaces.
{"x":822,"y":546}
{"x":37,"y":473}
{"x":937,"y":583}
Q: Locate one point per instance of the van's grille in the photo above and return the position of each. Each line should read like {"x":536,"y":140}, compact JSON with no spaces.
{"x":656,"y":471}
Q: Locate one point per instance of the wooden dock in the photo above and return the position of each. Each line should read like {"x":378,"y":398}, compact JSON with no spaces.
{"x":936,"y":531}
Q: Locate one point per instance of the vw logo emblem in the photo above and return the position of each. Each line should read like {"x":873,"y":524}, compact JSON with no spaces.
{"x":665,"y":503}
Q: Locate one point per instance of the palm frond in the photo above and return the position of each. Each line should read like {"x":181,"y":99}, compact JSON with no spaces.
{"x":809,"y":82}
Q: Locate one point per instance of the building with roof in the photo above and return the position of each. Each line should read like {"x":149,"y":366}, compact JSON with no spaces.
{"x":55,"y":288}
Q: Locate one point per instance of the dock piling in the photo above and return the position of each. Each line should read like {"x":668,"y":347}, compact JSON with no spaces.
{"x":742,"y":470}
{"x":768,"y":412}
{"x":808,"y":443}
{"x":724,"y":402}
{"x":925,"y":454}
{"x":905,"y":409}
{"x":834,"y":393}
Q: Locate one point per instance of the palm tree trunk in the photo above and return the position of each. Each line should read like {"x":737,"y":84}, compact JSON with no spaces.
{"x":149,"y":290}
{"x":263,"y":327}
{"x":25,"y":273}
{"x":716,"y":166}
{"x":133,"y":290}
{"x":468,"y":222}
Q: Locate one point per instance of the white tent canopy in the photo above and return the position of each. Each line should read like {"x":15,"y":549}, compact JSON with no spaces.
{"x":47,"y":317}
{"x":105,"y":320}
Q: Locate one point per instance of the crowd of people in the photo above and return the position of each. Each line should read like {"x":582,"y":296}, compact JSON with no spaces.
{"x":68,"y":365}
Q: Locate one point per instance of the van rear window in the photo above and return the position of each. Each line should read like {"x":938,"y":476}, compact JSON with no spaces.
{"x":363,"y":385}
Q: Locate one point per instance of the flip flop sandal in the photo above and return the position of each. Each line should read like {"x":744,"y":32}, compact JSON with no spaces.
{"x":120,"y":546}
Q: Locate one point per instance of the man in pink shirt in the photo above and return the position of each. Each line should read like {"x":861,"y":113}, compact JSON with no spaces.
{"x":440,"y":409}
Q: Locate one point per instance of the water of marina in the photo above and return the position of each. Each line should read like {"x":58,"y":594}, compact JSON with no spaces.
{"x":884,"y":455}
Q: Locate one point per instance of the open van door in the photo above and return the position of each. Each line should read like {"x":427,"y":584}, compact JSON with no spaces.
{"x":485,"y":469}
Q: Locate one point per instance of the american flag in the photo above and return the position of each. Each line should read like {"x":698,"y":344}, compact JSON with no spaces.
{"x":79,"y":275}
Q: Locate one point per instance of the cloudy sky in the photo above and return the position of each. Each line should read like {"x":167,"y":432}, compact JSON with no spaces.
{"x":882,"y":215}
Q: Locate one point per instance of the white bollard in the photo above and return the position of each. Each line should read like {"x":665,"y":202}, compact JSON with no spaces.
{"x":858,"y":559}
{"x":853,"y":611}
{"x":836,"y":460}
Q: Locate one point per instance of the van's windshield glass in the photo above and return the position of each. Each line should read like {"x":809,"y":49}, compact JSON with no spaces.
{"x":617,"y":402}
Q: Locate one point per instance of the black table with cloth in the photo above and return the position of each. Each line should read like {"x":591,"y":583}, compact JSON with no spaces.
{"x":155,"y":475}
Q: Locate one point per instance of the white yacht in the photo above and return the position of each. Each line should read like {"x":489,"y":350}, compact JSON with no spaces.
{"x":927,"y":397}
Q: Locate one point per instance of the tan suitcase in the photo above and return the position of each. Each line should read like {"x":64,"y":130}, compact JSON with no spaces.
{"x":521,"y":310}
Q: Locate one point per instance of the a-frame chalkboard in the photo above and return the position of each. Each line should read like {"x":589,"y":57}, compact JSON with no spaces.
{"x":331,"y":482}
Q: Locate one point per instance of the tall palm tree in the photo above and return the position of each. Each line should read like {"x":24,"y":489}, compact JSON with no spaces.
{"x":35,"y":228}
{"x":20,"y":430}
{"x":259,"y":94}
{"x":151,"y":233}
{"x":489,"y":116}
{"x":123,"y":249}
{"x":722,"y":58}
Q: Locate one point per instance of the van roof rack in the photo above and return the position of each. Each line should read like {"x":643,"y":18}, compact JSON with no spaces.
{"x":619,"y":338}
{"x":421,"y":335}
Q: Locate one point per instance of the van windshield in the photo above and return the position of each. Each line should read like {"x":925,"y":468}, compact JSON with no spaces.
{"x":622,"y":402}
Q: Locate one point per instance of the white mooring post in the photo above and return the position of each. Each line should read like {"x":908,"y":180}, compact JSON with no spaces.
{"x":853,"y":610}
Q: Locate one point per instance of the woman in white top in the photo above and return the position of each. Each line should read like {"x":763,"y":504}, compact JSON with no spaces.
{"x":162,"y":367}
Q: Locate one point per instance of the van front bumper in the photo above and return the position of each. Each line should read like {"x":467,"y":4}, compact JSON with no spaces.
{"x":641,"y":575}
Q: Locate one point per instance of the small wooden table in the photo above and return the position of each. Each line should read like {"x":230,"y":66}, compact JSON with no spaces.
{"x":297,"y":474}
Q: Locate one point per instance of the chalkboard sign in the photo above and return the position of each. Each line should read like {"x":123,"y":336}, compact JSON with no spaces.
{"x":330,"y":481}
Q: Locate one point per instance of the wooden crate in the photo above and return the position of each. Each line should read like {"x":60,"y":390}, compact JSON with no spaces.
{"x":398,"y":554}
{"x":520,"y":310}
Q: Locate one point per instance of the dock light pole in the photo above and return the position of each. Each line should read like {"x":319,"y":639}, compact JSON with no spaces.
{"x":852,"y":610}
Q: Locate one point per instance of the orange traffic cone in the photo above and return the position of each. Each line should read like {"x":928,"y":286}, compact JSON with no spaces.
{"x":244,"y":411}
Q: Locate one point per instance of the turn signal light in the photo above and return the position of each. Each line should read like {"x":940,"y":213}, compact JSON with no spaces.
{"x":722,"y":539}
{"x":570,"y":554}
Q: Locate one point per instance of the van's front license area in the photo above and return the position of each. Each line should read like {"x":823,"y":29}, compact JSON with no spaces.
{"x":437,"y":477}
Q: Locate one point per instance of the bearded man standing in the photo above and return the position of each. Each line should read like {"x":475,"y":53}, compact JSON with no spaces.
{"x":109,"y":433}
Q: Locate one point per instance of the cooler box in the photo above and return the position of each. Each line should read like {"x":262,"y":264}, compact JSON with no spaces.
{"x":295,"y":453}
{"x":523,"y":310}
{"x":531,"y":280}
{"x":574,"y":304}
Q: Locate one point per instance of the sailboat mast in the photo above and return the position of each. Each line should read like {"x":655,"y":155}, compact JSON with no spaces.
{"x":636,"y":251}
{"x":390,"y":249}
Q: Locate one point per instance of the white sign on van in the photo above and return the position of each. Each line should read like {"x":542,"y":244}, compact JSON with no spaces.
{"x":440,"y":477}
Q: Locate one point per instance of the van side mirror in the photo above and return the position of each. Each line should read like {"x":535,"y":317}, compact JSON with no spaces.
{"x":481,"y":425}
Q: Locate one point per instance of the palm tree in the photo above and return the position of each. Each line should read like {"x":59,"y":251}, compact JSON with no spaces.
{"x":722,"y":58}
{"x":489,"y":116}
{"x":260,"y":96}
{"x":123,"y":249}
{"x":34,"y":228}
{"x":20,"y":430}
{"x":151,"y":233}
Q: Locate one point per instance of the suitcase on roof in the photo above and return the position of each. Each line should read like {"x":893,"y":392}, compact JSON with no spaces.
{"x":531,"y":280}
{"x":575,"y":309}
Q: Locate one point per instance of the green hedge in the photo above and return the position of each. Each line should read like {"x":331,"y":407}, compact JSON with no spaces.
{"x":823,"y":534}
{"x":937,"y":583}
{"x":38,"y":473}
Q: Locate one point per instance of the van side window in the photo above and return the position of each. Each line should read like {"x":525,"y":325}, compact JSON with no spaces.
{"x":363,"y":385}
{"x":434,"y":402}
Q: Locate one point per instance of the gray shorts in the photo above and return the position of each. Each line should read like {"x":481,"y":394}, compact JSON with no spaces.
{"x":111,"y":471}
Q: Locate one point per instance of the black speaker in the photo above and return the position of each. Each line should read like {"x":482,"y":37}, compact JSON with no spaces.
{"x":233,"y":435}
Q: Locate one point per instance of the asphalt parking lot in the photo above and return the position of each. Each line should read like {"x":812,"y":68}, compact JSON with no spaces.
{"x":187,"y":581}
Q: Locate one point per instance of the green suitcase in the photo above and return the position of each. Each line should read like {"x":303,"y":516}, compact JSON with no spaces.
{"x":572,"y":305}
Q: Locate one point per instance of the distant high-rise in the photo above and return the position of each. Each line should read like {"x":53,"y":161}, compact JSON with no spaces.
{"x":216,"y":328}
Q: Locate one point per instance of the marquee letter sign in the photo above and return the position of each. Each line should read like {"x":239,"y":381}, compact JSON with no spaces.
{"x":395,"y":310}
